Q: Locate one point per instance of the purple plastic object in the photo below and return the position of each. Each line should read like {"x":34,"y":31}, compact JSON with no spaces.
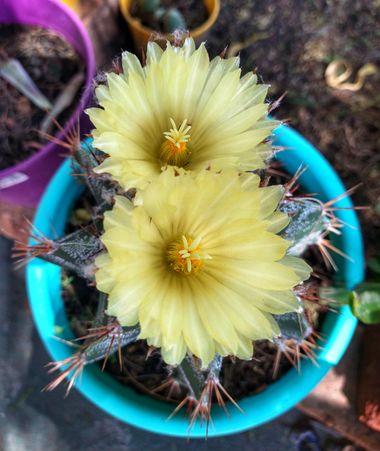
{"x":24,"y":183}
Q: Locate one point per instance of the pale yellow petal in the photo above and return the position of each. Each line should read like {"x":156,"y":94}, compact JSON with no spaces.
{"x":270,"y":198}
{"x":301,"y":268}
{"x":197,"y":263}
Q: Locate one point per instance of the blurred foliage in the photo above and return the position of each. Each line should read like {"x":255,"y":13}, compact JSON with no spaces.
{"x":158,"y":17}
{"x":365,"y":303}
{"x":364,"y":299}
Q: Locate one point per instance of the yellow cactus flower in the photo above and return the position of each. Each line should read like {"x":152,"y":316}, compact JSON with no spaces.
{"x":199,"y":265}
{"x":180,"y":109}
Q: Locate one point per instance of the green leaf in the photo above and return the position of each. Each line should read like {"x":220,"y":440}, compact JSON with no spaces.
{"x":365,"y":303}
{"x":15,"y":74}
{"x":63,"y":101}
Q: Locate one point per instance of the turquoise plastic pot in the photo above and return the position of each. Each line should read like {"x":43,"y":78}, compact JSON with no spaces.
{"x":124,"y":403}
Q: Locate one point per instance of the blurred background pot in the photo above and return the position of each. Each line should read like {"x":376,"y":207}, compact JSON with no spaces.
{"x":23,"y":183}
{"x":124,"y":403}
{"x":141,"y":34}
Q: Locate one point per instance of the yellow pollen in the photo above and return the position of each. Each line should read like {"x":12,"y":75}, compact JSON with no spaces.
{"x":174,"y":150}
{"x":186,"y":255}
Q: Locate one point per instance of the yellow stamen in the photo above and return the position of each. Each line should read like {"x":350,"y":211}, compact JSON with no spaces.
{"x":186,"y":255}
{"x":174,"y":149}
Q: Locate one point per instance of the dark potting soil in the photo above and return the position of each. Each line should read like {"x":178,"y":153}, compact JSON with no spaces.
{"x":193,"y":11}
{"x":239,"y":377}
{"x":51,"y":63}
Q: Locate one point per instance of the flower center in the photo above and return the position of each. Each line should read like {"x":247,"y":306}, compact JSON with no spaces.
{"x":174,"y":149}
{"x":186,"y":255}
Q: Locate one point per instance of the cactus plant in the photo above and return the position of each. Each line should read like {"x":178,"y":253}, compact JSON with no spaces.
{"x":199,"y":261}
{"x":158,"y":17}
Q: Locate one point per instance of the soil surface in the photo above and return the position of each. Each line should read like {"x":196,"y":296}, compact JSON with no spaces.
{"x":291,"y":43}
{"x":240,"y":378}
{"x":51,"y":63}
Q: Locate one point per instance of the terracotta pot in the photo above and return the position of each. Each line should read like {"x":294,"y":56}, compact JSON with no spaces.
{"x":142,"y":34}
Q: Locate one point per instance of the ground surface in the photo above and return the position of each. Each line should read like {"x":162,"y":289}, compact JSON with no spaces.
{"x":294,"y":43}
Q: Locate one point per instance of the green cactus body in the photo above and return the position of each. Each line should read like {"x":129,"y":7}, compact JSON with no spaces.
{"x":117,"y":338}
{"x":77,"y":251}
{"x":308,"y":224}
{"x":158,"y":17}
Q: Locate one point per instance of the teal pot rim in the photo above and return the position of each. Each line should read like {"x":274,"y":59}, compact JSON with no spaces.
{"x":124,"y":403}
